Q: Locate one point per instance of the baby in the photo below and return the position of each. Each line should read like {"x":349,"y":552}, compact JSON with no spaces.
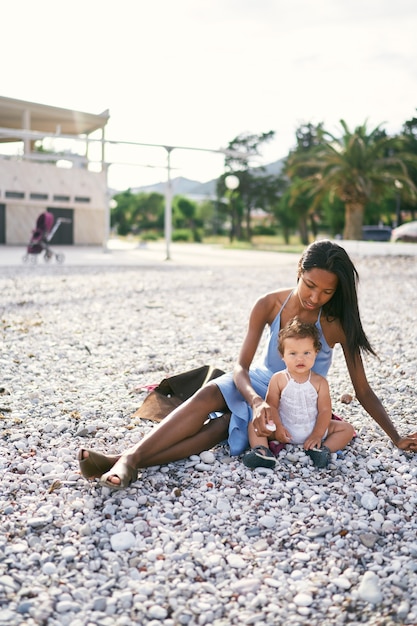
{"x":300,"y":403}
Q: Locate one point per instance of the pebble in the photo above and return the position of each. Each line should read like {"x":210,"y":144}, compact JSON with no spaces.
{"x":369,"y":588}
{"x":342,"y":582}
{"x":205,"y":540}
{"x":303,"y":599}
{"x":236,"y":561}
{"x":122,"y":541}
{"x":369,"y":501}
{"x":368,"y":539}
{"x":49,"y":569}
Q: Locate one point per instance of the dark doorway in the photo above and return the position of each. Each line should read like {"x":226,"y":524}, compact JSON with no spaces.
{"x":2,"y":223}
{"x":64,"y":236}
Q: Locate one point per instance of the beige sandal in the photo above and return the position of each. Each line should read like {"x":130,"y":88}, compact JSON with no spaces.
{"x":124,"y":472}
{"x":95,"y":464}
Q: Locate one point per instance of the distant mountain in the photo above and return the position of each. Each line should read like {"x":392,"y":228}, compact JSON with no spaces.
{"x":198,"y":190}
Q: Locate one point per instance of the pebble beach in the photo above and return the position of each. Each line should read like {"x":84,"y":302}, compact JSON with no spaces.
{"x":203,"y":541}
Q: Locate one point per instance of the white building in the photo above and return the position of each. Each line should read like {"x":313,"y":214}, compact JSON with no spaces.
{"x":39,"y":172}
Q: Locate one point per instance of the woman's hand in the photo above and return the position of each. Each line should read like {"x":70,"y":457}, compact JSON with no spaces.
{"x":408,"y":444}
{"x":262,"y":414}
{"x":282,"y":435}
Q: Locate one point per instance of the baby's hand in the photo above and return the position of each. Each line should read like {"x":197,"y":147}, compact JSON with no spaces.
{"x":282,"y":435}
{"x":312,"y":442}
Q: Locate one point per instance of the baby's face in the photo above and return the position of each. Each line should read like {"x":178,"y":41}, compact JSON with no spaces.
{"x":299,"y":354}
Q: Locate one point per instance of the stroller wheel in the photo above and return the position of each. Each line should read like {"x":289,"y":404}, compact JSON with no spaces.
{"x":59,"y":258}
{"x":29,"y":258}
{"x":47,"y":256}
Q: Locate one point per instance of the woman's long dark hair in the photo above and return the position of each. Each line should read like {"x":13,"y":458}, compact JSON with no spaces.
{"x":343,"y":305}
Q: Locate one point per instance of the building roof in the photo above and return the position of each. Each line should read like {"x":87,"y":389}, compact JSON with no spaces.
{"x":42,"y":118}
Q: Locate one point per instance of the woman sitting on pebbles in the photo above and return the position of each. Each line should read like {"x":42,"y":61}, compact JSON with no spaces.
{"x":326,"y":295}
{"x":300,"y":404}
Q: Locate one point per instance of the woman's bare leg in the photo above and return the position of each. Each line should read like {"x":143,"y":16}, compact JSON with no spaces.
{"x":182,"y":433}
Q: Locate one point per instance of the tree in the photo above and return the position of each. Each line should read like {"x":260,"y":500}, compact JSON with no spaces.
{"x":185,"y":216}
{"x":121,"y":214}
{"x":297,"y":199}
{"x":277,"y":200}
{"x":357,"y":167}
{"x":185,"y":211}
{"x":136,"y":212}
{"x":410,"y":137}
{"x":241,"y":151}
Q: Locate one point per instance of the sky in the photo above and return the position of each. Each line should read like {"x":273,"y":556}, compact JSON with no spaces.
{"x":197,"y":73}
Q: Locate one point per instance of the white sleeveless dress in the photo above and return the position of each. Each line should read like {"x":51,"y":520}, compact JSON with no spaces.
{"x":298,"y":408}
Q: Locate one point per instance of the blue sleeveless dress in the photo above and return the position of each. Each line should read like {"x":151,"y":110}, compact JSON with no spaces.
{"x":260,"y":374}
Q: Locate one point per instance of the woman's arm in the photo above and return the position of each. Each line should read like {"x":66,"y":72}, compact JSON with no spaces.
{"x":373,"y":405}
{"x":260,"y":316}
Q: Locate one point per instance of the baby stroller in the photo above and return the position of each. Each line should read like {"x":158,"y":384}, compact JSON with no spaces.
{"x":41,"y":236}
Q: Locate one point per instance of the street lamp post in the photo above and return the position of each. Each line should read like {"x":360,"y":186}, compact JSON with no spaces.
{"x":168,"y":206}
{"x":232,"y":182}
{"x":398,"y":185}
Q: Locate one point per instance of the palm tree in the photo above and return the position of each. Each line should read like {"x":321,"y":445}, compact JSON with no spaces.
{"x":356,"y":168}
{"x":296,"y":201}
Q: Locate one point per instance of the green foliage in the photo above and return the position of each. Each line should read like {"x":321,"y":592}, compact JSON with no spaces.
{"x":182,"y":234}
{"x":263,"y":229}
{"x":185,"y":213}
{"x":211,"y":215}
{"x":134,"y":213}
{"x":250,"y":193}
{"x":360,"y":177}
{"x":358,"y":167}
{"x":150,"y":235}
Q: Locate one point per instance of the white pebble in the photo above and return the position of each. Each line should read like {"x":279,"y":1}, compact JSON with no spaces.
{"x":207,"y":457}
{"x":268,"y":521}
{"x":342,"y":582}
{"x":157,"y":612}
{"x":303,"y":599}
{"x":49,"y":568}
{"x":122,"y":541}
{"x":236,"y":561}
{"x":369,"y":590}
{"x":369,"y":501}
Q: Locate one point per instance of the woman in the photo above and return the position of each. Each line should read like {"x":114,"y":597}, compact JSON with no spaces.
{"x":326,"y":295}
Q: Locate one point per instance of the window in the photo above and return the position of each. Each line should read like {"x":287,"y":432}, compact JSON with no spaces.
{"x":61,"y":198}
{"x":15,"y":194}
{"x":38,"y":196}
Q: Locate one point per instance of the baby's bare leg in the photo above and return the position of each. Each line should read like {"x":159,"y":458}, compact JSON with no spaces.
{"x":339,"y":434}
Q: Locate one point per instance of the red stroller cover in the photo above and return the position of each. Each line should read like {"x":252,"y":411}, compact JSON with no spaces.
{"x":45,"y":222}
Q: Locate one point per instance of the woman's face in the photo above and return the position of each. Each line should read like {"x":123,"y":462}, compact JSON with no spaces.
{"x":316,"y":287}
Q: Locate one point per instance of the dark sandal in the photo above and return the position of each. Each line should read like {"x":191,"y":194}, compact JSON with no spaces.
{"x":259,"y":456}
{"x":124,"y":472}
{"x":321,"y":457}
{"x":95,"y":464}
